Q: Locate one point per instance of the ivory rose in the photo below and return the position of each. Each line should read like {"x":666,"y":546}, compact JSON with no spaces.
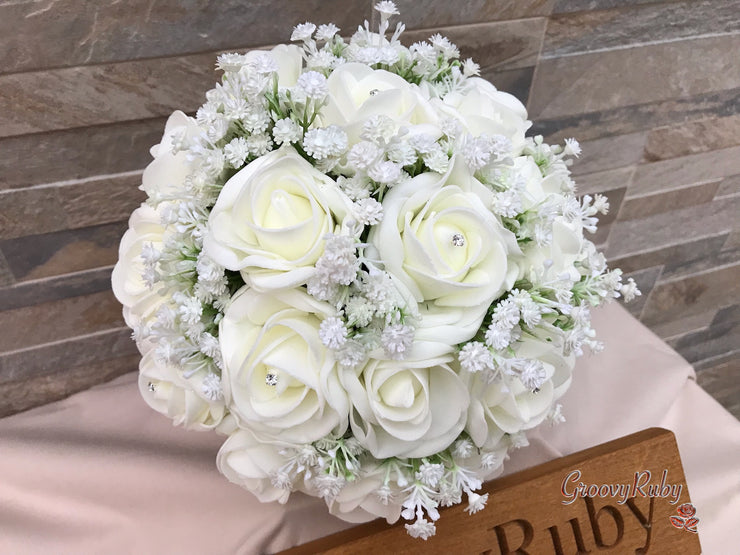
{"x":270,"y":220}
{"x":168,"y":393}
{"x":567,"y":236}
{"x":278,"y":377}
{"x":139,"y":301}
{"x":166,"y":174}
{"x":358,"y":92}
{"x":408,"y":408}
{"x":358,"y":500}
{"x":481,"y":108}
{"x":439,"y":238}
{"x":510,"y":406}
{"x":249,"y":460}
{"x":289,"y":60}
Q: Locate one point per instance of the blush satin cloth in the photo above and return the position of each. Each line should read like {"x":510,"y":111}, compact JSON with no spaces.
{"x":100,"y":472}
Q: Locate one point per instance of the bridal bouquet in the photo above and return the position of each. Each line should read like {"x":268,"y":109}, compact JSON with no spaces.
{"x":354,"y":264}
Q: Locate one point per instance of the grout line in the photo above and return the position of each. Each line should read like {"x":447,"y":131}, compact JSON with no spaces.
{"x":554,"y":55}
{"x":110,"y":331}
{"x":69,"y":182}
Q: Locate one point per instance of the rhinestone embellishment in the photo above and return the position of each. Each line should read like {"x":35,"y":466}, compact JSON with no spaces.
{"x":458,"y":240}
{"x":151,"y":387}
{"x":271,"y":379}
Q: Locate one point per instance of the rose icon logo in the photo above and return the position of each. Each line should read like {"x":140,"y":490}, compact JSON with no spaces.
{"x":685,"y":519}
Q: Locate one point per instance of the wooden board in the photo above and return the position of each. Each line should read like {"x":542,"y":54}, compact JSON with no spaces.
{"x":636,"y":483}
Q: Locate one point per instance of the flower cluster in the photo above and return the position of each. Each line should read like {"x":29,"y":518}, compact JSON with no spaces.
{"x":354,"y":263}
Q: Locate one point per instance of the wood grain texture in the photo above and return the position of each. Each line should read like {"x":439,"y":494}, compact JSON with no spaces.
{"x":526,"y":512}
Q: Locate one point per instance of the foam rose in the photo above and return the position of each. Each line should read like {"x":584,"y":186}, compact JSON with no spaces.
{"x":442,"y":242}
{"x":358,"y":92}
{"x":499,"y":408}
{"x":277,"y":335}
{"x":481,"y":108}
{"x":168,"y":393}
{"x":139,"y":301}
{"x":270,"y":220}
{"x":408,"y":408}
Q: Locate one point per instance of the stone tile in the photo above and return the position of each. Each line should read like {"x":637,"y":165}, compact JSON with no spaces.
{"x":494,"y":46}
{"x":609,"y":153}
{"x":615,"y":78}
{"x":720,"y":337}
{"x":565,"y":6}
{"x":601,"y":237}
{"x":724,"y":257}
{"x":63,"y":252}
{"x":679,"y":227}
{"x":692,"y":137}
{"x":23,"y":395}
{"x":45,"y":290}
{"x":77,"y":153}
{"x":599,"y":182}
{"x":30,"y":211}
{"x":682,"y":325}
{"x":722,"y":381}
{"x":733,"y":241}
{"x":115,"y":31}
{"x":637,"y":117}
{"x":692,"y":294}
{"x":101,"y":200}
{"x":677,"y":252}
{"x":729,"y":186}
{"x":647,"y":205}
{"x":58,"y":320}
{"x":433,"y":13}
{"x":513,"y":81}
{"x":79,"y":351}
{"x":6,"y":276}
{"x":624,"y":26}
{"x":645,"y":280}
{"x":687,"y":170}
{"x":93,"y":95}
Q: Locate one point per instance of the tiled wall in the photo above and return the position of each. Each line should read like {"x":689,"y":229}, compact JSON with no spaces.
{"x":652,"y":90}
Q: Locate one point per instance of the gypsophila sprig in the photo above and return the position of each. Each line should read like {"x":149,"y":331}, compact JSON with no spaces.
{"x":354,"y":264}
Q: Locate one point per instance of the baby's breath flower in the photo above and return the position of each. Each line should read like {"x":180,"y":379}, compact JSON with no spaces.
{"x":475,"y":357}
{"x":286,"y":131}
{"x":325,"y":142}
{"x":326,"y":32}
{"x":314,"y":85}
{"x":386,"y":8}
{"x":236,"y":152}
{"x":332,"y":333}
{"x":302,"y":32}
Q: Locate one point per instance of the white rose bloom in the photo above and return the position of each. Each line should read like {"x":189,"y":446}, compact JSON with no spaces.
{"x":139,"y":301}
{"x":358,"y":92}
{"x":567,"y":236}
{"x":168,"y":393}
{"x":496,"y":409}
{"x":358,"y":501}
{"x":289,"y":60}
{"x":278,"y":377}
{"x":407,"y":408}
{"x":167,"y":172}
{"x":536,"y":187}
{"x":481,"y":108}
{"x":250,"y":461}
{"x":270,"y":220}
{"x":563,"y":251}
{"x":442,"y":242}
